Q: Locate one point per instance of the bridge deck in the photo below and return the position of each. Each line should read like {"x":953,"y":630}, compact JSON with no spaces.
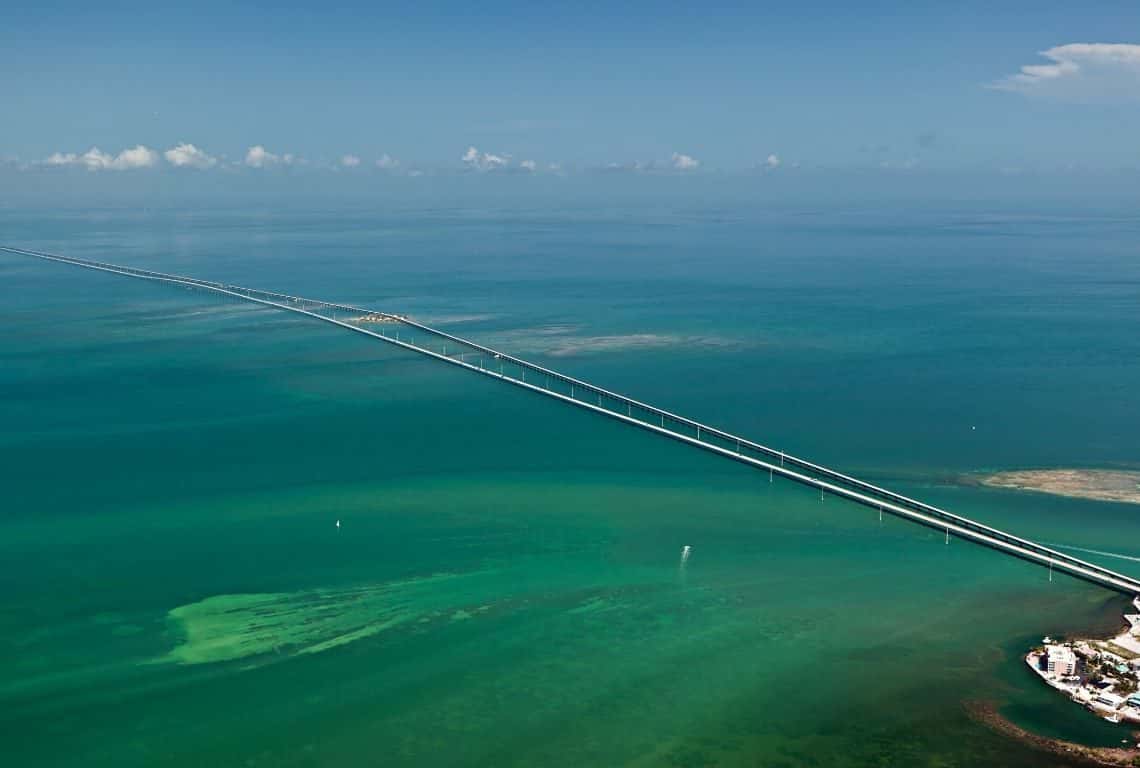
{"x":409,"y":334}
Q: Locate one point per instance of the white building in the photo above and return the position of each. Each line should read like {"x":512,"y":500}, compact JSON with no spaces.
{"x":1062,"y":662}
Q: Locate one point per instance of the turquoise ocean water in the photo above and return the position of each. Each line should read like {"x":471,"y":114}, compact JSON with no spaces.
{"x":505,"y":587}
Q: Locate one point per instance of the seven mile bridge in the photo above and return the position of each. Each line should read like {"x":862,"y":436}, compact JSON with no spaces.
{"x":406,"y":333}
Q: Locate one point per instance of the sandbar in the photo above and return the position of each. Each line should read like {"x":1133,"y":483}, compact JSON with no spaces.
{"x":1096,"y":484}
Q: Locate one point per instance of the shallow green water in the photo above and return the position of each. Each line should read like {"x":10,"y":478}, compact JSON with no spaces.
{"x":505,"y":587}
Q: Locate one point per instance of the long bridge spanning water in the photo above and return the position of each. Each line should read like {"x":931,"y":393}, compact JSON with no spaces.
{"x":404,"y":332}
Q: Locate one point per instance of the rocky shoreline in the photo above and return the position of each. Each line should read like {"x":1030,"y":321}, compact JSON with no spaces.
{"x":986,"y":713}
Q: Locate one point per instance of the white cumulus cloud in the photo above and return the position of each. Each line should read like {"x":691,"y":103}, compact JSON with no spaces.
{"x":484,"y":161}
{"x":684,"y":162}
{"x":528,"y":165}
{"x":350,"y":161}
{"x":139,"y":157}
{"x":1080,"y":72}
{"x":632,"y":166}
{"x":772,"y":161}
{"x":188,"y":156}
{"x":259,"y":157}
{"x":61,"y":158}
{"x":387,"y":162}
{"x":96,"y":159}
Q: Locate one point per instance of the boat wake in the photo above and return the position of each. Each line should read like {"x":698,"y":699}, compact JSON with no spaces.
{"x":1102,"y":553}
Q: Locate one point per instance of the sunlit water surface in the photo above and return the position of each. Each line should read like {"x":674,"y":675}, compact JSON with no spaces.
{"x":505,"y":586}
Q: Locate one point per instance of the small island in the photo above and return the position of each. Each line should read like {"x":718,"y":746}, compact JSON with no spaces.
{"x":377,"y":317}
{"x":1096,"y":484}
{"x":1101,"y":675}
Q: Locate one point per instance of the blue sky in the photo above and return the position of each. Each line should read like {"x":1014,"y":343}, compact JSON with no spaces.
{"x":693,"y":88}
